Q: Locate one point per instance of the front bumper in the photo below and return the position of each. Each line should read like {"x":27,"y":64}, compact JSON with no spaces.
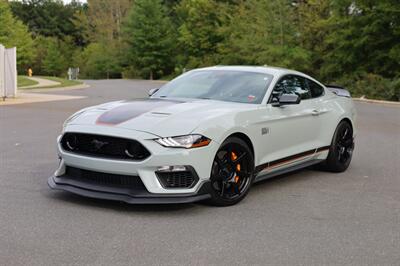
{"x":198,"y":159}
{"x":93,"y":191}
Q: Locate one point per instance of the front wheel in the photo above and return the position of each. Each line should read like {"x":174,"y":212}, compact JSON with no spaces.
{"x":341,"y":150}
{"x":231,"y":173}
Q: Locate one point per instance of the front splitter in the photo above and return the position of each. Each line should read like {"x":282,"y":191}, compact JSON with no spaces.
{"x":89,"y":191}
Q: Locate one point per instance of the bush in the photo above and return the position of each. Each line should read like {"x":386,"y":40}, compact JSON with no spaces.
{"x":98,"y":61}
{"x":131,"y":73}
{"x":371,"y":86}
{"x":53,"y":63}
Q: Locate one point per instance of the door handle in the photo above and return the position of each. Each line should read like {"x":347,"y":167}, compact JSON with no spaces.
{"x":315,"y":112}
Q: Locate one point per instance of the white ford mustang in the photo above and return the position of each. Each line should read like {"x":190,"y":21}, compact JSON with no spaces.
{"x":206,"y":135}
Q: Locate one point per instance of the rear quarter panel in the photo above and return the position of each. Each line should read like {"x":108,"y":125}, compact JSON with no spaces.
{"x":335,"y":109}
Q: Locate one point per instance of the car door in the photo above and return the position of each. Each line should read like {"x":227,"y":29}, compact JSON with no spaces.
{"x":292,"y":130}
{"x":322,"y":113}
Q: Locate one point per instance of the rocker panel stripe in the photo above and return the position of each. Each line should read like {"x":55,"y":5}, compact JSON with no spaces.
{"x":289,"y":159}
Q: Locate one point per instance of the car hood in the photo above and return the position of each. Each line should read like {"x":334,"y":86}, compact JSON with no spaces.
{"x":161,"y":117}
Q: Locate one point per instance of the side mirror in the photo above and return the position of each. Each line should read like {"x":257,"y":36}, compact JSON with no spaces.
{"x":287,"y":99}
{"x":152,"y":91}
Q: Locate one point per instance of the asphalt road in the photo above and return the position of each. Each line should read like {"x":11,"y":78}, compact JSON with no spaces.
{"x":305,"y":218}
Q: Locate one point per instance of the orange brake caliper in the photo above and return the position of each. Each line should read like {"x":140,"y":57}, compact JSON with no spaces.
{"x":234,"y":157}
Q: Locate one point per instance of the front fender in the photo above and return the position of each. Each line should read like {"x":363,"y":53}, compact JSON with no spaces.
{"x":220,"y":129}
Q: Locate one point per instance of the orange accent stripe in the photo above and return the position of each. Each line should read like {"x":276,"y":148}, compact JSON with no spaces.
{"x":290,"y":159}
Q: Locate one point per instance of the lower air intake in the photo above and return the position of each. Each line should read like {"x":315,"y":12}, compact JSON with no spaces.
{"x":182,"y":179}
{"x":103,"y":179}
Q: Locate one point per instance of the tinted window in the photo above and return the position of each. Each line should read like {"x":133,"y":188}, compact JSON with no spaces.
{"x":291,"y":85}
{"x":316,"y":89}
{"x":223,"y":85}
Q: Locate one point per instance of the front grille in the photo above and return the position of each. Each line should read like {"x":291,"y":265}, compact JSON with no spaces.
{"x":182,"y":179}
{"x":98,"y":178}
{"x":104,"y":146}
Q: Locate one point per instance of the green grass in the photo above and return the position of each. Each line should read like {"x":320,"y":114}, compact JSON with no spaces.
{"x":23,"y":81}
{"x":63,"y":82}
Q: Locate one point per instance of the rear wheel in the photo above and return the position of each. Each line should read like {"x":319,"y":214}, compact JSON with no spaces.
{"x":231,"y":173}
{"x":341,"y":150}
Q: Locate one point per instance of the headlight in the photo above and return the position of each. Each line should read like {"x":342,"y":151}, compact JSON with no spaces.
{"x":187,"y":142}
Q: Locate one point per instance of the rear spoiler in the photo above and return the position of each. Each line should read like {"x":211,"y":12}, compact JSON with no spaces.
{"x":339,"y":91}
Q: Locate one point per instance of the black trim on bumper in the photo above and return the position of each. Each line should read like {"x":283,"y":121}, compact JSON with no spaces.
{"x":178,"y":178}
{"x":125,"y":195}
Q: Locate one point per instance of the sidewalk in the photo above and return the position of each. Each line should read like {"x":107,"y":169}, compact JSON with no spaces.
{"x":41,"y":83}
{"x":30,"y":95}
{"x":24,"y":97}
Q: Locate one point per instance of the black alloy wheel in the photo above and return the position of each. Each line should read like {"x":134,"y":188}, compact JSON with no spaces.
{"x":341,"y":150}
{"x":231,"y":173}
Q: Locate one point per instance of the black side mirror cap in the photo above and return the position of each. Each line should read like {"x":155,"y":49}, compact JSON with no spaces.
{"x":152,"y":91}
{"x":287,"y":99}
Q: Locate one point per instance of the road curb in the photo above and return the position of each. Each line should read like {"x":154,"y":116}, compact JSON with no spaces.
{"x":377,"y":101}
{"x":27,"y":98}
{"x":75,"y":87}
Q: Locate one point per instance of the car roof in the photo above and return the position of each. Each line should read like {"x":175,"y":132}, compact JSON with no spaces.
{"x":258,"y":69}
{"x":275,"y":71}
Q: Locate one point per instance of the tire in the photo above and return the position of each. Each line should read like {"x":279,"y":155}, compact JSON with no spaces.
{"x":232,"y":173}
{"x":341,"y":150}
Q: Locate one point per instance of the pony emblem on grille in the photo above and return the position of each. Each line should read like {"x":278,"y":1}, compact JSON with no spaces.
{"x":97,"y":144}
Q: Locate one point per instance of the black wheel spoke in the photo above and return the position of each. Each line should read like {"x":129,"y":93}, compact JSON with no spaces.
{"x":345,"y":133}
{"x":348,"y":142}
{"x":236,"y":188}
{"x":219,"y":162}
{"x":243,"y":174}
{"x":229,"y":150}
{"x":222,"y":188}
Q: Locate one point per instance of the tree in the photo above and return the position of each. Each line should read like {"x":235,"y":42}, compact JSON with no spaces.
{"x":149,"y":35}
{"x":199,"y":34}
{"x":105,"y":18}
{"x":53,"y":63}
{"x":263,"y":33}
{"x":365,"y":39}
{"x":14,"y":33}
{"x":312,"y":24}
{"x":49,"y":18}
{"x":98,"y":61}
{"x":82,"y":26}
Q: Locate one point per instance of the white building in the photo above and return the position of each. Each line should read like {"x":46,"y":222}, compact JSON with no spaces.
{"x":8,"y":72}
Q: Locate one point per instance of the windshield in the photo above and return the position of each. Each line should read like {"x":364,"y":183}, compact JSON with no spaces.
{"x":223,"y":85}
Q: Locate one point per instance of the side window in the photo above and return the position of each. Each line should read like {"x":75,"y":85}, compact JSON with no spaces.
{"x":291,"y":85}
{"x":316,"y":89}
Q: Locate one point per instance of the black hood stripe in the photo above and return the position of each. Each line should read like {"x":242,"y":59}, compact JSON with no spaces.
{"x":132,"y":109}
